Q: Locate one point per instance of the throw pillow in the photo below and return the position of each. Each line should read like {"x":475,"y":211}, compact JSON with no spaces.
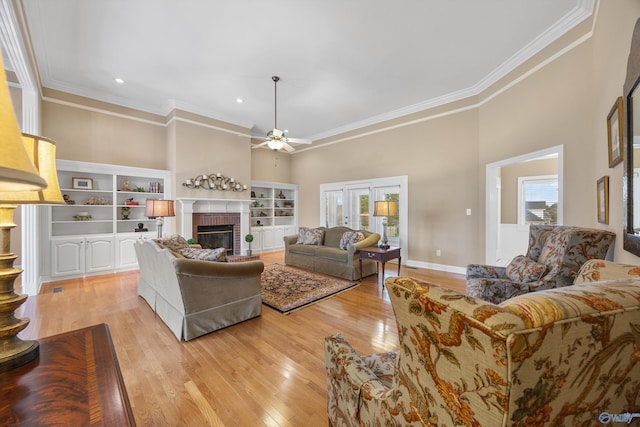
{"x":174,"y":243}
{"x":523,"y":269}
{"x":218,"y":254}
{"x":310,"y":236}
{"x":350,"y":238}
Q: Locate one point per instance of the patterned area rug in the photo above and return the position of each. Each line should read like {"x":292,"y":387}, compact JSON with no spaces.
{"x":288,"y":288}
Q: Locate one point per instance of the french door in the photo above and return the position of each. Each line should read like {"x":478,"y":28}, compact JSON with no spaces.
{"x":351,"y":204}
{"x":348,"y":206}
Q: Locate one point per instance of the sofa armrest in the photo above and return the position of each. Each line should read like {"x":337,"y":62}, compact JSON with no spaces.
{"x":352,"y":250}
{"x":347,"y":372}
{"x":478,"y":271}
{"x":371,"y":240}
{"x":596,"y":270}
{"x":290,"y":240}
{"x":539,"y":309}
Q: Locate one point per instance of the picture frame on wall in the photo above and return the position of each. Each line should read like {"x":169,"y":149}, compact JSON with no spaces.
{"x":603,"y":200}
{"x":82,"y":183}
{"x":615,"y":132}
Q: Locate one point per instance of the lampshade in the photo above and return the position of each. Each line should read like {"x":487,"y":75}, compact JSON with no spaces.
{"x":385,"y":209}
{"x":159,"y":208}
{"x":17,"y":172}
{"x":41,"y":153}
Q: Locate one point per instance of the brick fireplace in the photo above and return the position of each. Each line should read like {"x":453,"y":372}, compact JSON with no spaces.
{"x":218,"y":223}
{"x":191,"y":213}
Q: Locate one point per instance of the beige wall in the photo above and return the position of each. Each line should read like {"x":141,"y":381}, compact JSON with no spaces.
{"x":509,"y":180}
{"x":440,"y":158}
{"x":270,"y":166}
{"x":203,"y":150}
{"x":560,"y":97}
{"x":93,"y":136}
{"x":561,"y":100}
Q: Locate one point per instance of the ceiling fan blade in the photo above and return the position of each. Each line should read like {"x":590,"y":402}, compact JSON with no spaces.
{"x":299,"y":140}
{"x":287,"y":147}
{"x":260,"y":145}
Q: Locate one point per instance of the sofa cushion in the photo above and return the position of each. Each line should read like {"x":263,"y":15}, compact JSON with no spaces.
{"x":350,"y":238}
{"x":522,"y":269}
{"x":174,"y":243}
{"x":310,"y":236}
{"x":303,"y":249}
{"x":218,"y":254}
{"x":333,"y":254}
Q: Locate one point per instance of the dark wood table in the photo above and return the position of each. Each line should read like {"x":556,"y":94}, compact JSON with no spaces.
{"x":381,"y":256}
{"x":76,"y":381}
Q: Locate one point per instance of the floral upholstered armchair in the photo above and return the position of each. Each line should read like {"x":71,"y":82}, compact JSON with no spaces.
{"x":563,"y":356}
{"x":554,"y":256}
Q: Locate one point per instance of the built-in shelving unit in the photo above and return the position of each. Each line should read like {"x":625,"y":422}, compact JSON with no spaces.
{"x":95,"y":230}
{"x":274,"y":214}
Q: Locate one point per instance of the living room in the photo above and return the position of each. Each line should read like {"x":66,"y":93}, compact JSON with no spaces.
{"x":561,"y":96}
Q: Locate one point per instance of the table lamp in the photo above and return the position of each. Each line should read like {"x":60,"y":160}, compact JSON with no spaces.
{"x":159,"y":209}
{"x":385,"y":209}
{"x":27,"y":175}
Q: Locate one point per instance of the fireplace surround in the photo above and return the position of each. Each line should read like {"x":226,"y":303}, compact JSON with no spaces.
{"x":214,"y":212}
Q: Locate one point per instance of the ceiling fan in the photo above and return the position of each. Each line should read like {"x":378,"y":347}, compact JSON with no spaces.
{"x":275,"y":139}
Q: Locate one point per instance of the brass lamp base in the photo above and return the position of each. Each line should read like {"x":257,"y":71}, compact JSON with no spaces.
{"x":15,"y":360}
{"x":14,"y":352}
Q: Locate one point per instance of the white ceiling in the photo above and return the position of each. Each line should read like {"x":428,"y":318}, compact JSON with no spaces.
{"x":343,"y":63}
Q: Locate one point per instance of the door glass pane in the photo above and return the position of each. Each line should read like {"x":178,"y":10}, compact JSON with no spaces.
{"x":334,"y":208}
{"x":389,"y":194}
{"x":359,"y":207}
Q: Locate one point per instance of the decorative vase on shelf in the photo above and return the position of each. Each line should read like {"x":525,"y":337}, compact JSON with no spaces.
{"x":125,"y":212}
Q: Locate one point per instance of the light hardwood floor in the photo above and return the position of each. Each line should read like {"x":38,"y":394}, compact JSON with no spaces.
{"x":265,"y":371}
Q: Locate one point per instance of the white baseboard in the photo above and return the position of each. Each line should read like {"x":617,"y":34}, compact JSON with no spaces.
{"x":439,"y":267}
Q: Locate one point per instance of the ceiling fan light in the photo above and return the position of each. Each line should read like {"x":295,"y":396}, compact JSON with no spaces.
{"x":275,"y":144}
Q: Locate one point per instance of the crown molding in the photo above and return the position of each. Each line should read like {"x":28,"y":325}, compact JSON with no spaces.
{"x":583,"y":10}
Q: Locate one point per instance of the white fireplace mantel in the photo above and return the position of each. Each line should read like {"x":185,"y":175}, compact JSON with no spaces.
{"x":188,"y":206}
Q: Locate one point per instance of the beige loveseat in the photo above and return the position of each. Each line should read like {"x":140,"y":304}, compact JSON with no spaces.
{"x":327,"y":257}
{"x":196,"y":297}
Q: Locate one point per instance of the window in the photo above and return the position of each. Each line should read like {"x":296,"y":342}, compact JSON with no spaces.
{"x":538,"y":200}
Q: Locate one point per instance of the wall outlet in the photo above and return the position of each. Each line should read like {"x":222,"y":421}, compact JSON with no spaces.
{"x":438,"y":252}
{"x":469,"y":212}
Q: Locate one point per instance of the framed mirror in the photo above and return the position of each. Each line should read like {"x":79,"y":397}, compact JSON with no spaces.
{"x":631,"y":105}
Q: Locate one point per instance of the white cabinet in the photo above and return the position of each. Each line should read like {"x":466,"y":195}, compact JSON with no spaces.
{"x":67,"y":257}
{"x":125,"y":252}
{"x":274,"y":214}
{"x":99,"y":254}
{"x":78,"y":256}
{"x":95,"y":230}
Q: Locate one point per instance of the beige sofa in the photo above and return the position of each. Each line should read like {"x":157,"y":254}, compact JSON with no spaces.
{"x":328,"y":258}
{"x":194,"y":297}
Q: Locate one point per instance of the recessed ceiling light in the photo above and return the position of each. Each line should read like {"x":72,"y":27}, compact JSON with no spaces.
{"x":286,"y":130}
{"x":119,"y":80}
{"x":239,"y":100}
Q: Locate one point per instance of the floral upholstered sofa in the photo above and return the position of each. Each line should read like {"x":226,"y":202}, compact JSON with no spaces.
{"x":333,"y":251}
{"x":554,"y":256}
{"x":560,"y":357}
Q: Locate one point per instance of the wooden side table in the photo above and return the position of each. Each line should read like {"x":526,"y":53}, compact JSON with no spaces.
{"x":76,"y":381}
{"x":381,"y":256}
